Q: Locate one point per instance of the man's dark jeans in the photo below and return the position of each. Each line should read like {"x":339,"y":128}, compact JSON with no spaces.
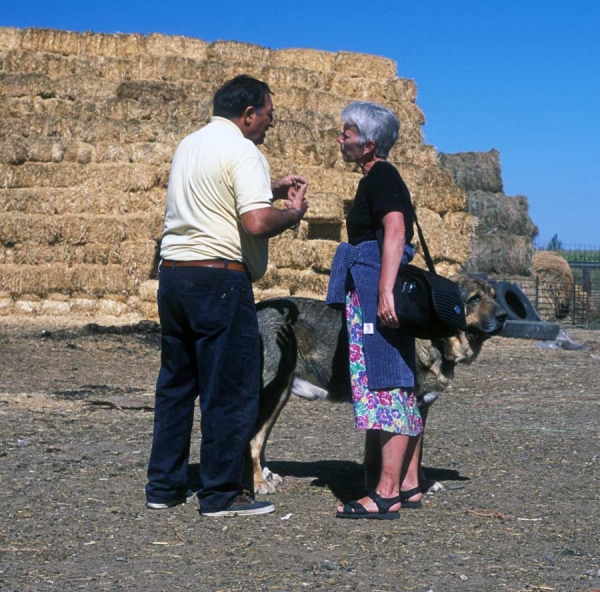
{"x":210,"y":349}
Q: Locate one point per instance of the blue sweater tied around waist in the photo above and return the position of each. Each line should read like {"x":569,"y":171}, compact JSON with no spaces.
{"x":389,"y":353}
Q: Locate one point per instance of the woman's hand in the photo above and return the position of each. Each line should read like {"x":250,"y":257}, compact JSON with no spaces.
{"x":386,"y":312}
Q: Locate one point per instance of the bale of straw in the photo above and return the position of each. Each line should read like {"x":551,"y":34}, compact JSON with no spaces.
{"x":14,"y":152}
{"x":303,"y":281}
{"x":147,"y":310}
{"x":234,"y":51}
{"x":500,"y":214}
{"x":501,"y":254}
{"x":418,"y":155}
{"x":325,"y":206}
{"x":104,"y":178}
{"x":93,"y":280}
{"x":78,"y":200}
{"x":26,"y":85}
{"x":147,"y":291}
{"x":302,"y":254}
{"x":474,"y":171}
{"x":10,"y":38}
{"x":285,"y":79}
{"x":259,"y":294}
{"x":310,"y":59}
{"x":364,"y":65}
{"x":149,"y":89}
{"x":176,"y":46}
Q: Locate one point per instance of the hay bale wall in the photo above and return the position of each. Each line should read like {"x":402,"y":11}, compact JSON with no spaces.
{"x":502,"y":243}
{"x":88,"y":126}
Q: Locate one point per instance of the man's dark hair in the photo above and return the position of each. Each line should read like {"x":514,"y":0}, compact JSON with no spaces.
{"x":237,"y":94}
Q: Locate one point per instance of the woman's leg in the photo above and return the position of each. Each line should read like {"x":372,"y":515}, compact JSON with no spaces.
{"x":409,"y":477}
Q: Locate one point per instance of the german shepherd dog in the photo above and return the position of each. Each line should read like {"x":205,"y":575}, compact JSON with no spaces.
{"x":304,"y":351}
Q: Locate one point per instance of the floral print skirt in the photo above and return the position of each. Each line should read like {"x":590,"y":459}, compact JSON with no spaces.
{"x":393,"y":410}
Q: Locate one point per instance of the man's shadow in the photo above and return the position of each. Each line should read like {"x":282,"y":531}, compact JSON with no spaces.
{"x":344,"y":478}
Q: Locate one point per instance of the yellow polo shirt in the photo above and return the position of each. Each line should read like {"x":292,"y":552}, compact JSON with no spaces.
{"x":216,"y":176}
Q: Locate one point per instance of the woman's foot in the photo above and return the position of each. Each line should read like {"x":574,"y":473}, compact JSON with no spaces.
{"x":373,"y":506}
{"x":411,"y":498}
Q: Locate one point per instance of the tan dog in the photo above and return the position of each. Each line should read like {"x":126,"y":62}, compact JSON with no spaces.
{"x":305,"y":352}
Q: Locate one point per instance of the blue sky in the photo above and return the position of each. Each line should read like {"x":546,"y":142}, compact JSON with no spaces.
{"x":519,"y":76}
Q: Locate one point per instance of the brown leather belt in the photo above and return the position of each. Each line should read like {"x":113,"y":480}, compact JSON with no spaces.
{"x":217,"y":263}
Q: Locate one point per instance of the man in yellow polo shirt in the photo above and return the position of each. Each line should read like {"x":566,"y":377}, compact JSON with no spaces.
{"x":218,"y":219}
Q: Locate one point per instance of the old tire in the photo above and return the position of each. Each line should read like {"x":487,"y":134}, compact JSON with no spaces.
{"x":511,"y":298}
{"x":537,"y":330}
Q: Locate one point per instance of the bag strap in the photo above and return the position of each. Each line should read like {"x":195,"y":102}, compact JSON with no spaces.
{"x":426,"y":254}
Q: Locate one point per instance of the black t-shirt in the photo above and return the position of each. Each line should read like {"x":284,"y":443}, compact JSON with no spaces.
{"x":382,"y":190}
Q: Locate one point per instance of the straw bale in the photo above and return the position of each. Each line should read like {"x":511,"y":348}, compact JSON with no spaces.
{"x":147,"y":291}
{"x":234,"y":51}
{"x":27,"y":307}
{"x":6,"y":306}
{"x":433,"y":188}
{"x":501,"y":254}
{"x":55,"y":308}
{"x":20,"y":228}
{"x":79,"y":229}
{"x":399,"y":96}
{"x":80,"y":200}
{"x":341,"y":182}
{"x":304,"y":281}
{"x":500,"y":214}
{"x":358,"y":64}
{"x":150,"y":89}
{"x":95,"y":280}
{"x":475,"y":170}
{"x":13,"y":152}
{"x":271,"y":279}
{"x":147,"y":310}
{"x":9,"y":38}
{"x":282,"y":79}
{"x":107,"y":306}
{"x":103,"y":177}
{"x":26,"y":85}
{"x":176,"y":45}
{"x":325,"y":206}
{"x":71,"y":43}
{"x":259,"y":294}
{"x":302,"y":254}
{"x":325,"y":230}
{"x":311,"y":59}
{"x":419,"y":155}
{"x":84,"y":305}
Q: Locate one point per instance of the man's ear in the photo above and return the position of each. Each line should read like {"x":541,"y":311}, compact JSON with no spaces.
{"x":248,"y":113}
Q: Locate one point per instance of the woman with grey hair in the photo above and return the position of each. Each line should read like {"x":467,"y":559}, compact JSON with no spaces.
{"x":381,"y":355}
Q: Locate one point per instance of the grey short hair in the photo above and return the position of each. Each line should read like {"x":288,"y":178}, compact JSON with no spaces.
{"x":374,"y":123}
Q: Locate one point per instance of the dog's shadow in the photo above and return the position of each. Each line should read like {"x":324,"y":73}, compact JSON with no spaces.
{"x":344,"y":478}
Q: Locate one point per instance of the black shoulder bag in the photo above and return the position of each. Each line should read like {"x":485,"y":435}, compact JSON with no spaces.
{"x":428,"y":305}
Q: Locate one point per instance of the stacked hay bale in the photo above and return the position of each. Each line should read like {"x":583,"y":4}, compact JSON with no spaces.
{"x":88,"y":128}
{"x":503,"y":238}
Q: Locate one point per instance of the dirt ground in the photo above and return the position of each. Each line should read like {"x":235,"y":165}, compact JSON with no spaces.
{"x":515,"y":442}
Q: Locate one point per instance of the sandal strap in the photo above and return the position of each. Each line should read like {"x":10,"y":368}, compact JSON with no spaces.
{"x":383,"y":503}
{"x":406,"y":495}
{"x":354,"y":508}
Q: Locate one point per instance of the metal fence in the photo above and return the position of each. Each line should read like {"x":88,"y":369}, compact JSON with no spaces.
{"x":576,"y":303}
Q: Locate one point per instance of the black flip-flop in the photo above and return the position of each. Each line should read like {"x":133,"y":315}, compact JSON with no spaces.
{"x":406,"y":495}
{"x":355,"y":510}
